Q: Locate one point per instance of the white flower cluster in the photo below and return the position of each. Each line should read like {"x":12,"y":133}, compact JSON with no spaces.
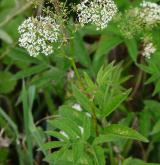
{"x":150,"y":13}
{"x":38,"y":34}
{"x":149,"y":49}
{"x":97,"y":12}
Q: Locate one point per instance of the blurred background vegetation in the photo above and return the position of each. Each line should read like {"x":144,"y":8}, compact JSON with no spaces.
{"x":91,"y":49}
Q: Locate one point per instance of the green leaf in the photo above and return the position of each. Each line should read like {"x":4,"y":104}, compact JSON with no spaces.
{"x":5,"y":37}
{"x":125,"y":132}
{"x":98,"y":153}
{"x":132,"y":48}
{"x":153,"y":107}
{"x":156,"y":127}
{"x":153,"y":78}
{"x":56,"y":156}
{"x":7,"y":83}
{"x":78,"y":149}
{"x":68,"y":126}
{"x":104,"y":46}
{"x":71,"y":113}
{"x":9,"y":121}
{"x":80,"y":51}
{"x":81,"y":99}
{"x":104,"y":74}
{"x":53,"y":75}
{"x":145,"y":68}
{"x":114,"y":102}
{"x":27,"y":123}
{"x":21,"y":55}
{"x":52,"y":145}
{"x":90,"y":85}
{"x":30,"y":71}
{"x":132,"y":161}
{"x":157,"y":87}
{"x":57,"y":135}
{"x":86,"y":127}
{"x":105,"y":138}
{"x":35,"y":132}
{"x":145,"y":117}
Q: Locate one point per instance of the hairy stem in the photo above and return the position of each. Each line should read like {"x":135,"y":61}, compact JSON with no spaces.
{"x":58,"y":11}
{"x":95,"y":121}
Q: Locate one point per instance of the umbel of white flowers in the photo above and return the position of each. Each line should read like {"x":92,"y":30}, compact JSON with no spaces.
{"x":150,"y":13}
{"x":148,"y":50}
{"x":38,"y":34}
{"x":97,"y":12}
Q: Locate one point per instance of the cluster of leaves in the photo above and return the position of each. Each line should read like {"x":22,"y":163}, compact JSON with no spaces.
{"x":101,"y":133}
{"x":99,"y":99}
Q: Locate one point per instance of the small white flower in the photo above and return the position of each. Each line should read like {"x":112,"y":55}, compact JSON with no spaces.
{"x":37,"y":35}
{"x":149,"y":49}
{"x":97,"y":12}
{"x":77,"y":107}
{"x":81,"y":129}
{"x":150,"y":13}
{"x":70,"y":74}
{"x":64,"y":134}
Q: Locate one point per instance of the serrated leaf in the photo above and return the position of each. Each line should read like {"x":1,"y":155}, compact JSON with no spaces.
{"x":57,"y":135}
{"x":111,"y":104}
{"x":81,"y":98}
{"x":71,"y":113}
{"x":68,"y":126}
{"x":105,"y":138}
{"x":90,"y":85}
{"x":125,"y":132}
{"x":56,"y":156}
{"x":98,"y":153}
{"x":78,"y":149}
{"x":86,"y":127}
{"x":52,"y":145}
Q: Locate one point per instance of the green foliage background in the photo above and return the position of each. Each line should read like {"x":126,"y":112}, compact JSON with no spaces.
{"x":36,"y":96}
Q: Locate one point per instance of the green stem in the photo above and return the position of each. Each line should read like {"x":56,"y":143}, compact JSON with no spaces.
{"x":111,"y":155}
{"x":149,"y":149}
{"x":75,"y":69}
{"x":58,"y":11}
{"x":95,"y":120}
